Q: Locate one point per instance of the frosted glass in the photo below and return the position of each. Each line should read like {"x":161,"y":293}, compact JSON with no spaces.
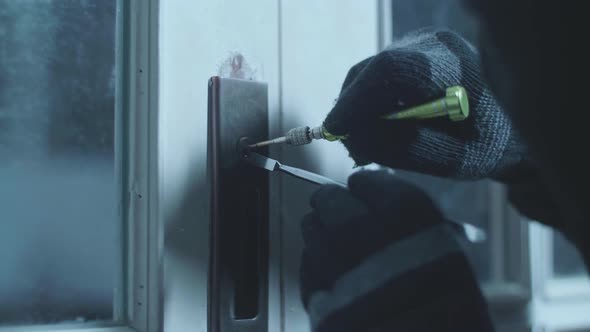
{"x":60,"y":239}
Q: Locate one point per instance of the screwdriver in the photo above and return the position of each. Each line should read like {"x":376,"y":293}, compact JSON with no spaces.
{"x":272,"y":165}
{"x":454,"y":105}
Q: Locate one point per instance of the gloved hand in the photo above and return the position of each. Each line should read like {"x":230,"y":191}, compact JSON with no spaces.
{"x":378,"y":257}
{"x":415,"y":70}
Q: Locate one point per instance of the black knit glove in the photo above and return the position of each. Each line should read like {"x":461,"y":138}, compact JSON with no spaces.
{"x":378,"y":257}
{"x":412,"y":71}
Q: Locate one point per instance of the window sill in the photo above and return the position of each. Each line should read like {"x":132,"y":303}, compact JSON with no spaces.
{"x":506,"y":294}
{"x":568,"y":289}
{"x":66,"y":328}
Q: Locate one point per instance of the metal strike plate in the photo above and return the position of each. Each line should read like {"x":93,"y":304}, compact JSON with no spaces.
{"x":238,"y":277}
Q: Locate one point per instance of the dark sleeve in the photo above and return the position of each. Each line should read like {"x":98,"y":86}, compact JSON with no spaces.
{"x":438,"y":294}
{"x":536,"y":64}
{"x":529,"y":196}
{"x":534,"y":202}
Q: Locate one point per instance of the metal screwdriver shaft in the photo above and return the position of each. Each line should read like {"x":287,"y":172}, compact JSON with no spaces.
{"x":300,"y":136}
{"x":454,"y":105}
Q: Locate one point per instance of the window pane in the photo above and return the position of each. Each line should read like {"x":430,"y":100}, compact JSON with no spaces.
{"x":60,"y":239}
{"x":567,"y":261}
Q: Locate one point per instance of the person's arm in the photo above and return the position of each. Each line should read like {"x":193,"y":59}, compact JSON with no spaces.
{"x":419,"y":68}
{"x":536,"y":64}
{"x":380,"y":257}
{"x":416,"y":69}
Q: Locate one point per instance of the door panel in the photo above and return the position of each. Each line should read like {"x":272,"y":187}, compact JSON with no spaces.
{"x":316,"y":43}
{"x":197,"y":40}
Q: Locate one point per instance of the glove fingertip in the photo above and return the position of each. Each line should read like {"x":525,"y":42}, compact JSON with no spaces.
{"x":379,"y":188}
{"x":368,"y":178}
{"x":368,"y":184}
{"x":312,"y":230}
{"x":335,"y":123}
{"x":325,"y":191}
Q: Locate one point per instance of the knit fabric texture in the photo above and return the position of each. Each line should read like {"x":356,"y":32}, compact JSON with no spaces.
{"x":379,"y":256}
{"x":412,"y":71}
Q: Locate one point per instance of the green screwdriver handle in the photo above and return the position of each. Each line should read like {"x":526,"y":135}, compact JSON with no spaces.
{"x":454,"y":104}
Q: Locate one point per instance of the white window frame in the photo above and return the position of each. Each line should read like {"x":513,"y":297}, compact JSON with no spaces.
{"x":559,"y":303}
{"x":508,"y":293}
{"x":510,"y":281}
{"x":139,"y":306}
{"x":139,"y":58}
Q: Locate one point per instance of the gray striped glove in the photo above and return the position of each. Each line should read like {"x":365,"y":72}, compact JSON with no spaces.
{"x":378,"y":256}
{"x":412,"y":71}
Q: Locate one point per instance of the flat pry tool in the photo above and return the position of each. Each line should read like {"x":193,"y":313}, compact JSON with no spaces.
{"x":471,"y":233}
{"x":272,"y":165}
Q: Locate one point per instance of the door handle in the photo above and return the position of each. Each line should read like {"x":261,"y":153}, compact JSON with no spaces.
{"x":238,"y":275}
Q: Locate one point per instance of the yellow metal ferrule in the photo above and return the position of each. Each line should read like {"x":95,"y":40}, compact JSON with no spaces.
{"x":329,"y":137}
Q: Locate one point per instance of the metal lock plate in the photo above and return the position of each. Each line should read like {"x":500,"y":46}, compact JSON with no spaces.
{"x":238,"y":277}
